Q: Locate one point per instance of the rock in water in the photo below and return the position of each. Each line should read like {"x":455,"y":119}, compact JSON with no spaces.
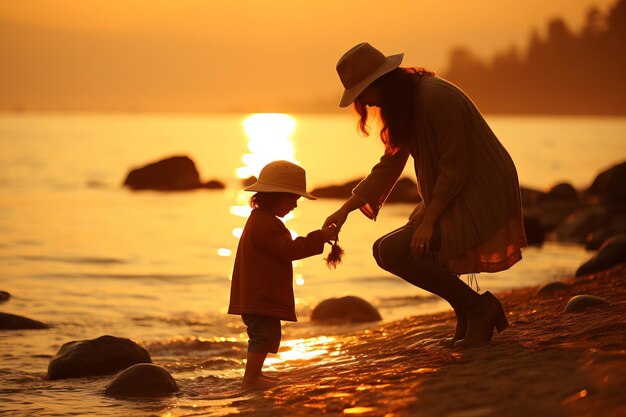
{"x":576,"y":226}
{"x":171,"y":174}
{"x":349,"y":308}
{"x":611,"y":253}
{"x":336,"y":191}
{"x":4,"y":296}
{"x":142,"y":380}
{"x":608,"y":187}
{"x":405,"y":191}
{"x":583,"y":302}
{"x":535,"y":233}
{"x":101,"y":356}
{"x":561,"y":191}
{"x":594,"y":240}
{"x":14,"y":322}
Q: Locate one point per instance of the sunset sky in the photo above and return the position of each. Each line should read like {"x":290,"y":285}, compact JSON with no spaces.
{"x":184,"y":55}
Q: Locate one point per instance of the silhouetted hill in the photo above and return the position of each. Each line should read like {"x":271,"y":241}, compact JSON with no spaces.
{"x":565,"y":73}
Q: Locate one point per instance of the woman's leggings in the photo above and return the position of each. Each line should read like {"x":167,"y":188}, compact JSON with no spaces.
{"x":393,"y":253}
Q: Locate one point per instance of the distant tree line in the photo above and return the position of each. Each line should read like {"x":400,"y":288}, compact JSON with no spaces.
{"x":565,"y":73}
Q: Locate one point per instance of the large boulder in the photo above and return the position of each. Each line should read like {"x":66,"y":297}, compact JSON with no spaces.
{"x":345,"y":309}
{"x":101,"y":356}
{"x":530,"y":196}
{"x":576,"y":226}
{"x":142,"y":380}
{"x":535,"y":232}
{"x":608,"y":187}
{"x":14,"y":322}
{"x":561,"y":191}
{"x":553,"y":212}
{"x":595,"y":239}
{"x":176,"y":173}
{"x":405,"y":191}
{"x":342,"y":191}
{"x":611,"y":253}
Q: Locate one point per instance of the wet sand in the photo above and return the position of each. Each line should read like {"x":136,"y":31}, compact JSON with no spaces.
{"x":547,"y":363}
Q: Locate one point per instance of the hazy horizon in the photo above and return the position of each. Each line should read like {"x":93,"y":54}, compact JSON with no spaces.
{"x":160,"y":56}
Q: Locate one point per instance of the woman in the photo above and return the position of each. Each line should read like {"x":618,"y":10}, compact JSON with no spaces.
{"x":470,"y":217}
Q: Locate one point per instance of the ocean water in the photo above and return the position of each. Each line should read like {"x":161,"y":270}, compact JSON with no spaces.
{"x":88,"y":257}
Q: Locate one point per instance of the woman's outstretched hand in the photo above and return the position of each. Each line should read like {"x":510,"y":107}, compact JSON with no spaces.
{"x":420,"y":242}
{"x":338,"y":218}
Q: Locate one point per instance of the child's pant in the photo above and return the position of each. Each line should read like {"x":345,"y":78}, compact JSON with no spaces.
{"x":263,"y":333}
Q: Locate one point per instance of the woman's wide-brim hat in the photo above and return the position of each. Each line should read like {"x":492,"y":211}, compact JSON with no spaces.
{"x":281,"y":177}
{"x":360,"y":66}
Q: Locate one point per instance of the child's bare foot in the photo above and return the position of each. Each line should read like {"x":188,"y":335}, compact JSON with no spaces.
{"x":258,"y":384}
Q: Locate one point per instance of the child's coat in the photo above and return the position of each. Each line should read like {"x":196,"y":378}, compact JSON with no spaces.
{"x":262,"y":280}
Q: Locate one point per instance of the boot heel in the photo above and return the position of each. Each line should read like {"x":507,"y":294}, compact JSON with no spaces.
{"x":501,"y":321}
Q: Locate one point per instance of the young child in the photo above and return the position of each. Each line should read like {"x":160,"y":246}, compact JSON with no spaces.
{"x":262,"y":283}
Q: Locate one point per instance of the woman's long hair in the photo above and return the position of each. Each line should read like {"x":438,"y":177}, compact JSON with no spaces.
{"x":398,"y":106}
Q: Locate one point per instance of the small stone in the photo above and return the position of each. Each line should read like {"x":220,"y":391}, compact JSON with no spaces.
{"x":584,"y":301}
{"x":142,"y":380}
{"x":349,"y":308}
{"x":554,"y":286}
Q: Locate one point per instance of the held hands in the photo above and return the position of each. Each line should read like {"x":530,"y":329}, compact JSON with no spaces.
{"x":330,"y":233}
{"x":420,"y":242}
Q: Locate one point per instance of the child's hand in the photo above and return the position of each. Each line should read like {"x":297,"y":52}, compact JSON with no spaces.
{"x":330,"y":233}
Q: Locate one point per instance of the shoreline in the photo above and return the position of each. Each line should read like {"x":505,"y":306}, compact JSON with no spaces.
{"x":547,"y":363}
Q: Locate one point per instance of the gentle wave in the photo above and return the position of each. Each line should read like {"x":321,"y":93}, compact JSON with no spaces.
{"x":220,"y":346}
{"x":388,"y":302}
{"x":160,"y":277}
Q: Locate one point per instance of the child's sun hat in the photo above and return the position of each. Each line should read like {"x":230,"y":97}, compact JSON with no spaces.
{"x":281,"y":177}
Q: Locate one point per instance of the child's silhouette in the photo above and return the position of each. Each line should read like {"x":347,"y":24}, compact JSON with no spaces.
{"x":262,"y":283}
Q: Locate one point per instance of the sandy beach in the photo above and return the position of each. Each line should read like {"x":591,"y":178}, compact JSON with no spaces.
{"x":547,"y":363}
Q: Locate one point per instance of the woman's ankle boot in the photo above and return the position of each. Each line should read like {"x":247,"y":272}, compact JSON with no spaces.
{"x":459,"y":333}
{"x":481,"y":321}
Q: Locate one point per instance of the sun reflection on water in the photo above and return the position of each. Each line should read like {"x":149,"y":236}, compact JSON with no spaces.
{"x":302,"y":349}
{"x":269,"y":139}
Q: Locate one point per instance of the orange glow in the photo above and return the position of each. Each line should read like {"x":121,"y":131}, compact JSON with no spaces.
{"x":302,"y":349}
{"x":162,"y":54}
{"x":358,"y":410}
{"x":224,"y":252}
{"x":575,"y":397}
{"x":299,"y":280}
